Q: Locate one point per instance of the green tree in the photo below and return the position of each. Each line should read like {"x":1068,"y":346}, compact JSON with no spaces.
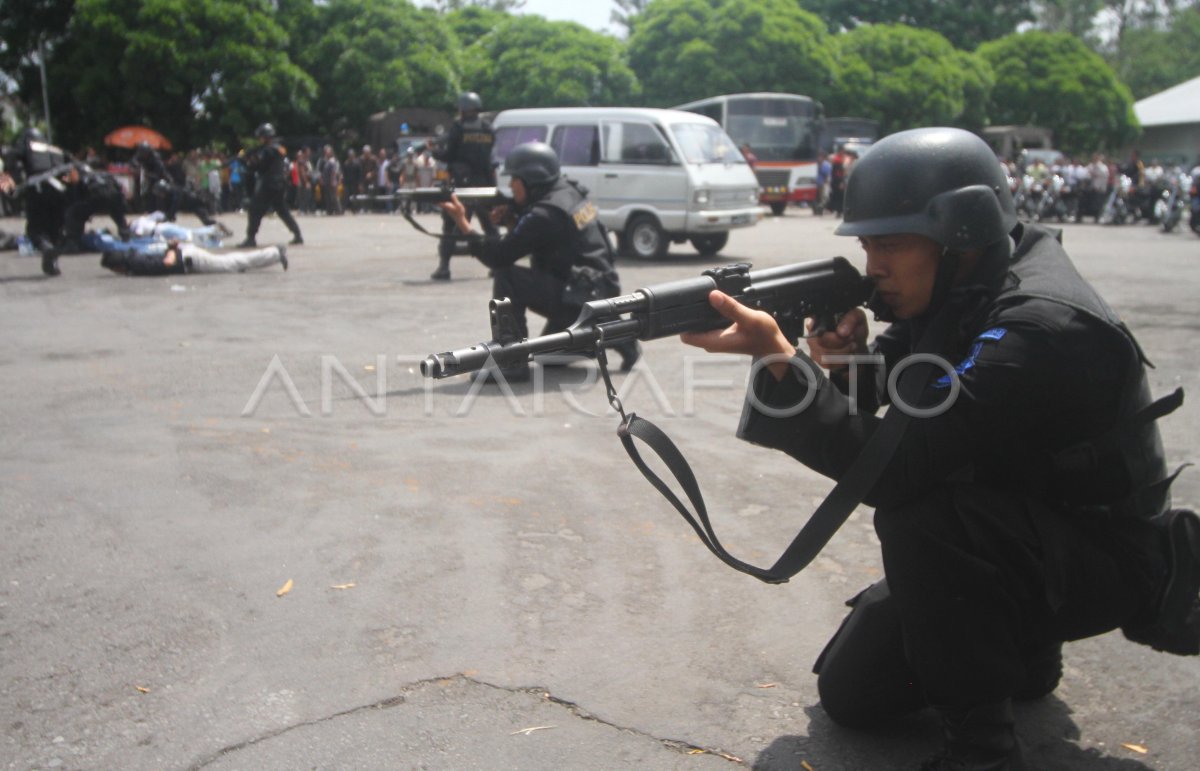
{"x":375,"y":55}
{"x":28,"y":30}
{"x":626,"y":12}
{"x":683,"y":50}
{"x":1153,"y":60}
{"x":1076,"y":17}
{"x":195,"y":70}
{"x":965,"y":23}
{"x":527,"y":61}
{"x":905,"y":77}
{"x":1054,"y":80}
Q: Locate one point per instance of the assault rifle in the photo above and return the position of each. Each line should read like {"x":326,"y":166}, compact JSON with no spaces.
{"x":821,"y":289}
{"x":51,"y":177}
{"x":483,"y":196}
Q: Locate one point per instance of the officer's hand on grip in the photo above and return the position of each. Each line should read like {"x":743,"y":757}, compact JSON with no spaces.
{"x":755,"y":333}
{"x":457,"y":211}
{"x":848,"y":338}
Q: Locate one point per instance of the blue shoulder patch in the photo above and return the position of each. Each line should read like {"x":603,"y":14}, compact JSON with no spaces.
{"x":996,"y":333}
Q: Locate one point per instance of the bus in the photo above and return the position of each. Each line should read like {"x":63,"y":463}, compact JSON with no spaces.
{"x":782,"y":130}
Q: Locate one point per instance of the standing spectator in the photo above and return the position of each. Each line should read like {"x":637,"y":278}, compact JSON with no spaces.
{"x":381,"y":175}
{"x":837,"y":179}
{"x":331,"y":179}
{"x":304,"y":176}
{"x":1098,"y":172}
{"x":370,"y":172}
{"x":351,"y":180}
{"x":823,"y":170}
{"x":426,"y":168}
{"x":749,"y":155}
{"x":395,"y":171}
{"x":237,"y":181}
{"x":408,"y":176}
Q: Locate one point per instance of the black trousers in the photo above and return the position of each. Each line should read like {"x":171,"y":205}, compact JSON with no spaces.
{"x":269,"y":200}
{"x":980,"y":584}
{"x":79,"y":212}
{"x":537,"y":291}
{"x":44,"y":216}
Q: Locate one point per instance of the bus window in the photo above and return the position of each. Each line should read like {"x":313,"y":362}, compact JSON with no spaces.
{"x":777,"y":129}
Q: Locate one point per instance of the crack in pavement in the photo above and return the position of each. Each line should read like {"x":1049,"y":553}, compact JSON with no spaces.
{"x":574,"y":709}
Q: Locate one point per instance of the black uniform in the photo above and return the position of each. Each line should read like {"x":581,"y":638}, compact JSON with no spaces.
{"x":570,"y":259}
{"x":467,"y":152}
{"x":1015,"y":520}
{"x":97,"y":192}
{"x":270,"y":190}
{"x":45,"y":204}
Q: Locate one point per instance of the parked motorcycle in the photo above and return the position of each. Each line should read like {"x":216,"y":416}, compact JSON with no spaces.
{"x":1117,"y":209}
{"x":1195,"y":196}
{"x":1055,"y":201}
{"x":1173,"y":201}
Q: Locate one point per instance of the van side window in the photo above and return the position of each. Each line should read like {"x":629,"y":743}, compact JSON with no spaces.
{"x":577,"y":145}
{"x":510,"y":136}
{"x":642,"y":143}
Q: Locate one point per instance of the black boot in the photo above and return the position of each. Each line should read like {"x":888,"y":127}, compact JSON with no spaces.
{"x":50,"y":262}
{"x":1174,"y":626}
{"x":980,"y":738}
{"x":443,"y":270}
{"x":248,"y":243}
{"x":1043,"y":670}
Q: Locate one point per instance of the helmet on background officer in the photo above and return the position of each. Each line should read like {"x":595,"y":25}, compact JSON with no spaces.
{"x":469,"y":104}
{"x":264,"y":132}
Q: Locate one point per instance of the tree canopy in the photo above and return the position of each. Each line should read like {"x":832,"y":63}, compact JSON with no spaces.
{"x":965,"y":23}
{"x":905,"y":77}
{"x":192,"y":70}
{"x":690,"y":49}
{"x":1054,"y":80}
{"x":527,"y":61}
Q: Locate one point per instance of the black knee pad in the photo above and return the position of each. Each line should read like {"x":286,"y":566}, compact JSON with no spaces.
{"x":863,"y":677}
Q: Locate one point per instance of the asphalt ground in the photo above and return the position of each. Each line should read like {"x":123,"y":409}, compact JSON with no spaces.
{"x":478,"y":579}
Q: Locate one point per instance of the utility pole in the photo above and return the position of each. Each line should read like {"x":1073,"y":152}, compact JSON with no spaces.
{"x":45,"y":92}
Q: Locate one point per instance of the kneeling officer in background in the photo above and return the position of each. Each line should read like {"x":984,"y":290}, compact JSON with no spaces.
{"x":557,"y":225}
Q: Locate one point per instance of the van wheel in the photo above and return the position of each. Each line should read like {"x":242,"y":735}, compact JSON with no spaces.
{"x":778,"y":208}
{"x":645,"y":239}
{"x":710,"y":244}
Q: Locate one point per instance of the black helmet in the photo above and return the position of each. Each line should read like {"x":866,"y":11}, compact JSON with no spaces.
{"x":534,"y":163}
{"x":469,"y":102}
{"x":942,"y":183}
{"x":32,"y":134}
{"x":265,"y":131}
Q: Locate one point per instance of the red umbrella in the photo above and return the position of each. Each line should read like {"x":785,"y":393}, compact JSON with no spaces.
{"x":130,"y":136}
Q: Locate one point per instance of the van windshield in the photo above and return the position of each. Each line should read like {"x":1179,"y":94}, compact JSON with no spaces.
{"x":703,"y":143}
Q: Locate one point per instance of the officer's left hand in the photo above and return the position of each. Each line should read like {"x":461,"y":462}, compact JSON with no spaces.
{"x":755,"y":333}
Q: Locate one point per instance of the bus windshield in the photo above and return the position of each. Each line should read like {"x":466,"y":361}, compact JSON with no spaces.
{"x":703,"y":143}
{"x":775,"y":129}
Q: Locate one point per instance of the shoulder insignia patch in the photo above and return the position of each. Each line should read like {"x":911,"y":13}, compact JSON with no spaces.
{"x":994,"y":334}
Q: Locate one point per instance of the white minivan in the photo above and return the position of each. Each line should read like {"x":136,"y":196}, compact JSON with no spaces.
{"x":656,"y":176}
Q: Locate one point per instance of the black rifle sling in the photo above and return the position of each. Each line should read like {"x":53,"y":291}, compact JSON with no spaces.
{"x":841,"y":501}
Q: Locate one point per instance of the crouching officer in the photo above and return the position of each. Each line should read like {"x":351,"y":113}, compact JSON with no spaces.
{"x":1028,"y":505}
{"x":268,"y":163}
{"x":556,"y":224}
{"x":91,"y":192}
{"x":467,"y":151}
{"x":45,"y":204}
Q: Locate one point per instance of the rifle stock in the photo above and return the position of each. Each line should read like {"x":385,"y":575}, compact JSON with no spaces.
{"x":821,"y":289}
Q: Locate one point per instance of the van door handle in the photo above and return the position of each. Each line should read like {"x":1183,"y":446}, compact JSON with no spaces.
{"x":611,"y":176}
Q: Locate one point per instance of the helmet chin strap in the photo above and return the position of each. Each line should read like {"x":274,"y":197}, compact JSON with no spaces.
{"x":948,"y":264}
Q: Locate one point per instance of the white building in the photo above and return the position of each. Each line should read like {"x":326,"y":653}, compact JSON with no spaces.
{"x":1171,"y":124}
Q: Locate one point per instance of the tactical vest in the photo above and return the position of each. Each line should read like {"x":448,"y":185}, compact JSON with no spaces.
{"x":40,"y":157}
{"x":473,"y":166}
{"x":1125,"y":460}
{"x":588,"y":247}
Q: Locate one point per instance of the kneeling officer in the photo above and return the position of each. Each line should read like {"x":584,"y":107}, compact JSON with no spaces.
{"x":557,"y":225}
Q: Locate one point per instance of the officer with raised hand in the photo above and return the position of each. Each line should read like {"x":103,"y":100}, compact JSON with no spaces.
{"x":467,"y":152}
{"x":557,"y":226}
{"x":269,"y":164}
{"x":1027,"y":501}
